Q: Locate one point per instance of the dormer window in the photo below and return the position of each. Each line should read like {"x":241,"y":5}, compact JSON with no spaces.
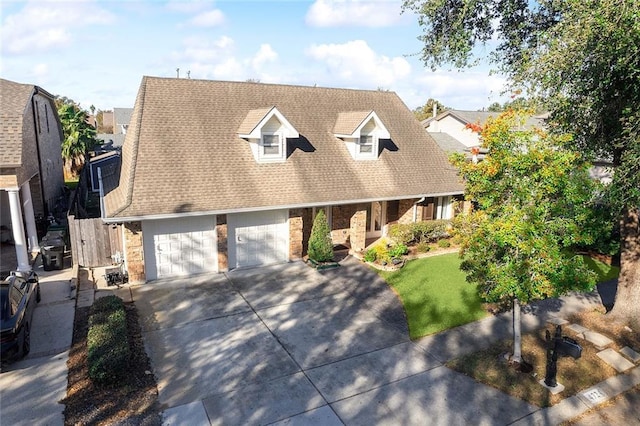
{"x":271,"y":146}
{"x":361,"y":131}
{"x":366,"y":145}
{"x":267,"y":131}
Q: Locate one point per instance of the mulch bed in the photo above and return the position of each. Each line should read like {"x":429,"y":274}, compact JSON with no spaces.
{"x":490,"y":366}
{"x":134,"y":401}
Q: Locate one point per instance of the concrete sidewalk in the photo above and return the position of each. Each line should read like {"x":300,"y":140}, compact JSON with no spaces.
{"x":31,"y":389}
{"x":289,"y":345}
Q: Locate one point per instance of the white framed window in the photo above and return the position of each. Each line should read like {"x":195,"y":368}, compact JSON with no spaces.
{"x":365,"y":146}
{"x":271,"y":146}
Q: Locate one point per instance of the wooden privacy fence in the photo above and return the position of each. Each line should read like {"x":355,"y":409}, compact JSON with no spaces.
{"x":93,"y":242}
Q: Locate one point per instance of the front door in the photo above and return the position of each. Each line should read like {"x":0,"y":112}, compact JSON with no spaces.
{"x":375,"y":218}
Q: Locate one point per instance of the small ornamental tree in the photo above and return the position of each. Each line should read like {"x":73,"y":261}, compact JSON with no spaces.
{"x":533,"y":196}
{"x":320,"y":244}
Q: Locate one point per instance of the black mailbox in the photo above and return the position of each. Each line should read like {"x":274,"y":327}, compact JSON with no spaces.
{"x":569,"y":347}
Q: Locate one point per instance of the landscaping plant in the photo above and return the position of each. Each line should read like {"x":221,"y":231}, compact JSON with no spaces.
{"x":107,"y":345}
{"x":580,"y":60}
{"x":320,"y":244}
{"x":533,"y":196}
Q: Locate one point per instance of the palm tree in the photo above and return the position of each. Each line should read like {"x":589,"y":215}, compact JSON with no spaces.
{"x":79,"y":137}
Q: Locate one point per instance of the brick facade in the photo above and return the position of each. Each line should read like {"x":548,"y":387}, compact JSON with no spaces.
{"x":341,"y":223}
{"x":134,"y":252}
{"x":405,"y":211}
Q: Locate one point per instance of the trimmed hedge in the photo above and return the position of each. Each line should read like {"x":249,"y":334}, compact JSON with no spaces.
{"x":320,"y":245}
{"x":428,"y":231}
{"x":107,"y":344}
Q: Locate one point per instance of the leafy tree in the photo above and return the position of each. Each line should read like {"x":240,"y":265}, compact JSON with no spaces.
{"x":426,"y":111}
{"x":581,"y":58}
{"x":533,"y":195}
{"x":79,"y":137}
{"x":320,"y":244}
{"x":495,"y":107}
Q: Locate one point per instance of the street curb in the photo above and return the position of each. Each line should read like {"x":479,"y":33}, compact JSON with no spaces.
{"x":579,"y":404}
{"x":73,"y":282}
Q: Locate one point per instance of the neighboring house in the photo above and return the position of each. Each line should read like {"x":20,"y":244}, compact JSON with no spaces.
{"x":118,"y":120}
{"x":31,"y":166}
{"x":101,"y":166}
{"x":464,"y":126}
{"x":222,"y":175}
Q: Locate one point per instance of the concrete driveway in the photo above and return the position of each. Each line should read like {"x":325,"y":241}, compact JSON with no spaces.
{"x":31,"y":389}
{"x":290,"y":345}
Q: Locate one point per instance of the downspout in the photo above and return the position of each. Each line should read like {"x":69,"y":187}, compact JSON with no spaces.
{"x":100,"y":188}
{"x":415,"y":208}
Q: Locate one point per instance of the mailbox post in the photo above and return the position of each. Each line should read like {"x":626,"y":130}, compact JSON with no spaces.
{"x":559,"y":345}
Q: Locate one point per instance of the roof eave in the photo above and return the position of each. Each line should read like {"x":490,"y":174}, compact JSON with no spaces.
{"x":275,"y":207}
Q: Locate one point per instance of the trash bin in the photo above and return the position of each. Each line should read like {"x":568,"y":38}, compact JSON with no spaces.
{"x":60,"y":230}
{"x":52,"y":251}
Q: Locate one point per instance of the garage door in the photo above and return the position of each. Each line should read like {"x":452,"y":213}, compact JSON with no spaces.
{"x":180,"y":247}
{"x":258,"y":238}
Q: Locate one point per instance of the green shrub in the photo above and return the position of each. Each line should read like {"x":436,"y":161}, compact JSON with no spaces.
{"x":444,"y":243}
{"x":423,"y":247}
{"x":107,"y":344}
{"x":370,"y":255}
{"x":320,"y":244}
{"x":382,"y":253}
{"x":398,"y":250}
{"x":428,"y":231}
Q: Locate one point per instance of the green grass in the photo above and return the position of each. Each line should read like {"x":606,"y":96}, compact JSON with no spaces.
{"x":605,"y":272}
{"x":72,"y":183}
{"x":435,"y":294}
{"x":437,"y":297}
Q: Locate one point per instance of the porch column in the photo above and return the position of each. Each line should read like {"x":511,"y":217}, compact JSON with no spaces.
{"x":18,"y":231}
{"x":29,"y":218}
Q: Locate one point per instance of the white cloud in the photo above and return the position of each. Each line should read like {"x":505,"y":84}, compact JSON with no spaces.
{"x":210,"y":18}
{"x":40,"y":71}
{"x":217,"y":59}
{"x":355,"y":63}
{"x":363,"y":13}
{"x":264,"y":55}
{"x":471,"y":90}
{"x":44,"y":25}
{"x":200,"y":49}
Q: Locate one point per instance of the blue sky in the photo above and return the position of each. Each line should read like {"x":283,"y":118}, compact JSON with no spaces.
{"x":96,"y":52}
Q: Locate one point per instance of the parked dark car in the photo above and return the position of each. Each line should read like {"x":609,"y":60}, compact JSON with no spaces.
{"x":19,"y":294}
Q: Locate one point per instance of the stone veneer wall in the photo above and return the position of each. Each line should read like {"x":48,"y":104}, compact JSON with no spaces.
{"x":223,"y":243}
{"x":300,"y":224}
{"x":134,"y":252}
{"x":358,"y":230}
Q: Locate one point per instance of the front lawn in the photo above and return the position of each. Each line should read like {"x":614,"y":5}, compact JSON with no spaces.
{"x":437,"y":297}
{"x":435,"y":294}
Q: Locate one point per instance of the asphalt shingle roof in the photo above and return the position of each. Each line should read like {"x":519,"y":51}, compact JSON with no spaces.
{"x":14,"y":98}
{"x":182,"y":153}
{"x":447,"y":142}
{"x":481,"y":117}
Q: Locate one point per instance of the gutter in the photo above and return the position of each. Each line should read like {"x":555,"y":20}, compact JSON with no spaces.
{"x":265,"y":208}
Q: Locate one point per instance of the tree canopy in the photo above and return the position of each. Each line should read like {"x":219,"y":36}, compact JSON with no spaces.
{"x":581,"y":58}
{"x":426,"y":111}
{"x":79,"y":136}
{"x":533,"y":198}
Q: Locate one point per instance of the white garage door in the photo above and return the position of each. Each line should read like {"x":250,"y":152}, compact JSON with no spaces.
{"x":180,"y":247}
{"x":258,"y":238}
